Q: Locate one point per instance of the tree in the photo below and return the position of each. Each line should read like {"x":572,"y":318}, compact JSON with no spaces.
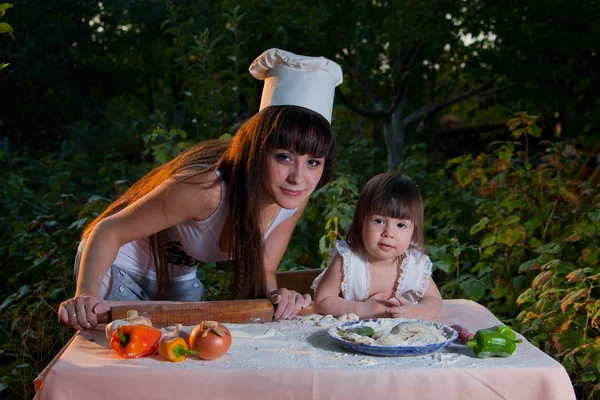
{"x":551,"y":56}
{"x":406,"y":61}
{"x":403,"y":61}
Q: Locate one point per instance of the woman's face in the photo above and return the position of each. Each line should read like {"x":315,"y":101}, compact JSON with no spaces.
{"x":291,"y":177}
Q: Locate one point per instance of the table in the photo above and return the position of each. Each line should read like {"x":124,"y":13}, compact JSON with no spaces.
{"x":298,"y":360}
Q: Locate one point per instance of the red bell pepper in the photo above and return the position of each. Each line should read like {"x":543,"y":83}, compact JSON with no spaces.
{"x":131,"y":341}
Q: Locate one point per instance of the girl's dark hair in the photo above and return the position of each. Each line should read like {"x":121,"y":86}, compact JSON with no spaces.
{"x":389,"y":194}
{"x":241,"y":162}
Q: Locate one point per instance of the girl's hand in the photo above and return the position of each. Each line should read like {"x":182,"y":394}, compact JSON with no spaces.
{"x":288,"y":302}
{"x":403,"y":308}
{"x":81,"y":312}
{"x":375,"y":306}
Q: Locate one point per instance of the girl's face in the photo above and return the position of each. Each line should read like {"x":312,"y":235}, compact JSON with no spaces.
{"x":386,"y":238}
{"x":291,"y":177}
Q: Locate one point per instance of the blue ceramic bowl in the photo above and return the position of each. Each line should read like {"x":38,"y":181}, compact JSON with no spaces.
{"x":392,"y":351}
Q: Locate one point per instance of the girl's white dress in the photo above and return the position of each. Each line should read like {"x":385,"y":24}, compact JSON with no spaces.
{"x":414,"y":278}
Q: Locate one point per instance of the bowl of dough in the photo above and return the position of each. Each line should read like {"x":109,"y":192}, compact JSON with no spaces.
{"x":393,"y":336}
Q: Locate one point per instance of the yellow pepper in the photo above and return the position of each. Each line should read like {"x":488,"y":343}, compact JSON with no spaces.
{"x":174,"y":349}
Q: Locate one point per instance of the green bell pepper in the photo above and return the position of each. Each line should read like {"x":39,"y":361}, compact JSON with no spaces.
{"x":506,"y":331}
{"x":488,"y":343}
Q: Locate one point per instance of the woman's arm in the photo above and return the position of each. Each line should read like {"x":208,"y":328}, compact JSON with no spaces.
{"x":329,"y":301}
{"x":168,"y":204}
{"x":289,"y":302}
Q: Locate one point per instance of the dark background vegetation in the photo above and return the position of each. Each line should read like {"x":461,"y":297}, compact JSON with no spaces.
{"x":490,"y":106}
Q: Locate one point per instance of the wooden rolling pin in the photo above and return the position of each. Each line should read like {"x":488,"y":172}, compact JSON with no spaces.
{"x":169,"y":313}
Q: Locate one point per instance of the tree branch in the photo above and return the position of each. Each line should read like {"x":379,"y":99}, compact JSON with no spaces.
{"x":415,"y":49}
{"x":454,"y":84}
{"x":430,"y":108}
{"x":358,"y":77}
{"x":361,"y":111}
{"x":361,"y":83}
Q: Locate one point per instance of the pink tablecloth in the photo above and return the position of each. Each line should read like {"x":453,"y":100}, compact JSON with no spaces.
{"x":297,"y":360}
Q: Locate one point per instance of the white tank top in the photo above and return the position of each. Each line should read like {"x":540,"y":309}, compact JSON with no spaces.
{"x":189,"y":242}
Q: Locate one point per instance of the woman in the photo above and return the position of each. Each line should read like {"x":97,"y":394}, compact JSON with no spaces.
{"x":237,"y":200}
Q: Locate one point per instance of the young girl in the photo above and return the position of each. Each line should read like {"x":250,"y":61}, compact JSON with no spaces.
{"x":237,"y":200}
{"x":381,"y":269}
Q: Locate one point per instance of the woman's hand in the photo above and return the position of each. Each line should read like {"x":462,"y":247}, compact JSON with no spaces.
{"x":81,"y":312}
{"x":288,"y":302}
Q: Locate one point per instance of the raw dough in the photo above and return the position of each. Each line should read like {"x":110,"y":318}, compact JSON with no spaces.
{"x":355,"y":337}
{"x":411,"y":333}
{"x":402,"y":334}
{"x":353,"y":317}
{"x":330,"y":320}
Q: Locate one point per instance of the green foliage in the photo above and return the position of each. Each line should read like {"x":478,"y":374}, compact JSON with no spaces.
{"x":207,"y":63}
{"x":536,"y":253}
{"x":5,"y":28}
{"x":125,"y":83}
{"x":338,"y":200}
{"x":45,"y":205}
{"x":164,"y":144}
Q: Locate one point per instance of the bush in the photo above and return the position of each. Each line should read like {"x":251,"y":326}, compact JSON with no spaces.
{"x":42,"y":221}
{"x":534,"y":253}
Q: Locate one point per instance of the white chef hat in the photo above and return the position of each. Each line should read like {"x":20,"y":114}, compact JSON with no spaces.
{"x":291,"y":79}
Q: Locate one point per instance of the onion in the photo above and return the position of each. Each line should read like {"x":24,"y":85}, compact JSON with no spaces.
{"x":210,"y":340}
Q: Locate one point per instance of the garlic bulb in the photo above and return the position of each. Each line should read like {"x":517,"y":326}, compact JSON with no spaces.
{"x":133,"y":318}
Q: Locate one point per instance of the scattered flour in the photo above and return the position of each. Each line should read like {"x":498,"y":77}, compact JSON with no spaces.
{"x":254,"y":331}
{"x":364,"y":362}
{"x":446,"y":359}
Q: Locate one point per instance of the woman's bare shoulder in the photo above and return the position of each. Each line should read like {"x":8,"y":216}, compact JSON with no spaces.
{"x":202,"y":193}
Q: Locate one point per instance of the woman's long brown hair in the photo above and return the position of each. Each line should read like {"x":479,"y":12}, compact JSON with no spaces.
{"x":241,"y":162}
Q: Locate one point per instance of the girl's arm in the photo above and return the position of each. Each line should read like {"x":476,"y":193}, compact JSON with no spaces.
{"x":289,"y":302}
{"x":168,"y":204}
{"x":329,"y":301}
{"x":428,"y":307}
{"x":431,"y":302}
